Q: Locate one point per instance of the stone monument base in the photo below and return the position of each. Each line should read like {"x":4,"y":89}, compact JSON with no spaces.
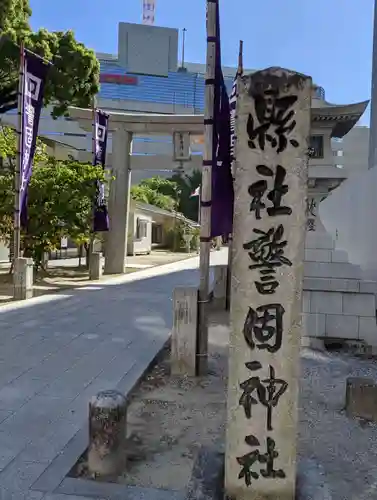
{"x":207,"y":480}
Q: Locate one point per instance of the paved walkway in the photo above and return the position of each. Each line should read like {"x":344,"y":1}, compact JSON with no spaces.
{"x":56,"y":351}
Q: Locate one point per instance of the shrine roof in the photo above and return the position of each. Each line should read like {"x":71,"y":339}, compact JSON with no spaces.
{"x":342,"y":116}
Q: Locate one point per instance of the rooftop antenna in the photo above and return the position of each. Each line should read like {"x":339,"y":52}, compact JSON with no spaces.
{"x":182,"y":68}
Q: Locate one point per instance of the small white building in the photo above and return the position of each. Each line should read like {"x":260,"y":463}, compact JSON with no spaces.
{"x":151,"y":227}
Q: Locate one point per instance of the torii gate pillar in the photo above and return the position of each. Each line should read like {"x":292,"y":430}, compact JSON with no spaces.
{"x":119,"y":203}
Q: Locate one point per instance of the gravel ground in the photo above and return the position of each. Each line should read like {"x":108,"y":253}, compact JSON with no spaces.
{"x":169,"y":418}
{"x":346,"y":448}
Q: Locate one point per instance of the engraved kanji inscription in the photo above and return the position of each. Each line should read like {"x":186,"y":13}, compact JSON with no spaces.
{"x":266,"y":252}
{"x":251,"y":459}
{"x":310,"y":225}
{"x":266,"y":391}
{"x":273,"y":122}
{"x":311,"y":207}
{"x":263,"y":327}
{"x":258,"y":189}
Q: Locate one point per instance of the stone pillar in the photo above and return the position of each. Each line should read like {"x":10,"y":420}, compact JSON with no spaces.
{"x":272,"y":130}
{"x":95,"y":266}
{"x":107,"y":433}
{"x":119,"y":203}
{"x":184,"y":333}
{"x":23,"y":275}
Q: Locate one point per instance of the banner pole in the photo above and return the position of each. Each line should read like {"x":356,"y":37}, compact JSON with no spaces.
{"x":17,"y":174}
{"x":92,"y":234}
{"x":230,"y":241}
{"x":206,"y":191}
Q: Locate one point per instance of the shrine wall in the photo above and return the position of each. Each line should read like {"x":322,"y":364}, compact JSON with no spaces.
{"x":349,"y":215}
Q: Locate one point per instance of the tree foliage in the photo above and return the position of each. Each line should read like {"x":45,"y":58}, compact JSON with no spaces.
{"x":60,"y":198}
{"x":169,"y":194}
{"x":60,"y":203}
{"x":188,"y":206}
{"x":74,"y":77}
{"x":156,"y":191}
{"x":8,"y":148}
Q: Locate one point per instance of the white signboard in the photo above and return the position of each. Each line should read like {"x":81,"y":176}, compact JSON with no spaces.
{"x":64,"y":242}
{"x":182,"y":146}
{"x":149,"y":9}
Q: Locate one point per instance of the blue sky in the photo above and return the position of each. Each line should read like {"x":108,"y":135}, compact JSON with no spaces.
{"x":331,"y":40}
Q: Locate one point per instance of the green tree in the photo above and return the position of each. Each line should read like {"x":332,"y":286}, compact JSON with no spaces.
{"x":8,"y":149}
{"x":74,"y":77}
{"x":187,"y":184}
{"x":60,"y":203}
{"x":156,"y":191}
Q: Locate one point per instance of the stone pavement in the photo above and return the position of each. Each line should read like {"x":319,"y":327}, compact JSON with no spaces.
{"x":56,"y":351}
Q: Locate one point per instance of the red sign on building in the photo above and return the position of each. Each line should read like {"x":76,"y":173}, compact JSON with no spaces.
{"x":118,"y":79}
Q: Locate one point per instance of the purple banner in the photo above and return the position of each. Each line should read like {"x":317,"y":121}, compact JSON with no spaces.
{"x":233,"y":106}
{"x":222,"y":181}
{"x":100,"y":131}
{"x":34,"y":78}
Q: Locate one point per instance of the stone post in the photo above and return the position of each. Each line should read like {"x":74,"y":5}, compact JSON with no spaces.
{"x":23,"y":278}
{"x":184,"y":333}
{"x":272,"y":129}
{"x":107,"y":433}
{"x":119,"y":203}
{"x":95,"y":266}
{"x":220,"y":286}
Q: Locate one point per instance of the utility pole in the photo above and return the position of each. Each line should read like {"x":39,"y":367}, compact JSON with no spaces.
{"x":206,"y":190}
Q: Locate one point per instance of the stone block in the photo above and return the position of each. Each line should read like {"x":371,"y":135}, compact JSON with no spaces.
{"x":318,"y":239}
{"x":23,"y":277}
{"x":359,"y":304}
{"x":314,"y":325}
{"x":326,"y":302}
{"x":317,"y":255}
{"x":305,"y":301}
{"x":332,"y":284}
{"x":339,"y":256}
{"x":107,"y":434}
{"x":184,"y":334}
{"x":368,"y":287}
{"x":313,"y":343}
{"x":332,"y":270}
{"x":342,"y":327}
{"x":220,"y":286}
{"x":361,"y":398}
{"x":368,"y":330}
{"x":95,"y":266}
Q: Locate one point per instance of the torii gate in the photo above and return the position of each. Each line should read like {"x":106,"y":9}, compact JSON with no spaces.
{"x":122,"y":126}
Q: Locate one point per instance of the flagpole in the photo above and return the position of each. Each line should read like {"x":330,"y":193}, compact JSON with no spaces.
{"x":230,"y":241}
{"x":91,"y":240}
{"x":17,"y":176}
{"x":206,"y":193}
{"x":199,"y":202}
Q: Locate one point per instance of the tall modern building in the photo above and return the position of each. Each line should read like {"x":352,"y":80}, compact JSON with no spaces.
{"x":145,"y":76}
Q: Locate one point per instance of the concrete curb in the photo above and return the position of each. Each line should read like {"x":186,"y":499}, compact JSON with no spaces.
{"x":54,"y":479}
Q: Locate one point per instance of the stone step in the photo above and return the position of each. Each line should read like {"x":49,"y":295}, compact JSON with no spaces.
{"x":332,"y":270}
{"x":340,"y":285}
